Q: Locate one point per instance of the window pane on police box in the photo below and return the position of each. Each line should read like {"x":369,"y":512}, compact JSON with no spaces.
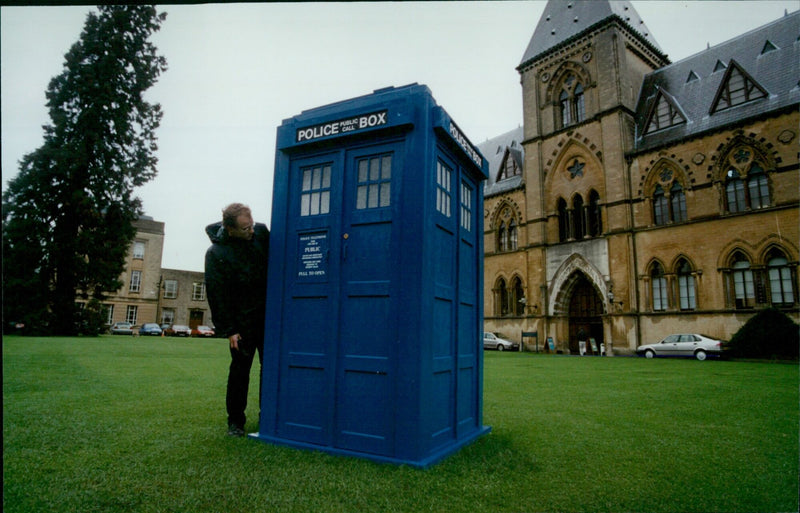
{"x":326,"y":177}
{"x":386,"y":167}
{"x":386,"y":192}
{"x":361,"y":197}
{"x":325,"y":202}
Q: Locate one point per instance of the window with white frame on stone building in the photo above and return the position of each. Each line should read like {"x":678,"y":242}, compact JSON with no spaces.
{"x":138,"y":250}
{"x":136,"y":281}
{"x":131,"y":314}
{"x":198,"y":291}
{"x":168,"y":316}
{"x":170,"y":289}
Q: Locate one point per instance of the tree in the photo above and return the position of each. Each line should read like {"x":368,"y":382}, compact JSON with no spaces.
{"x":67,"y":215}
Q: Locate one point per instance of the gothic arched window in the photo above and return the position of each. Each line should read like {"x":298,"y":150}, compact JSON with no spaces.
{"x":579,"y":226}
{"x":507,"y":231}
{"x":571,"y":101}
{"x":501,"y":298}
{"x":518,"y":296}
{"x":563,"y":221}
{"x":781,"y":280}
{"x":677,"y":201}
{"x":743,"y":284}
{"x":758,"y":187}
{"x":593,"y":213}
{"x":734,"y":192}
{"x":658,"y":282}
{"x":660,"y":206}
{"x":512,"y":236}
{"x":566,"y":112}
{"x":686,"y":286}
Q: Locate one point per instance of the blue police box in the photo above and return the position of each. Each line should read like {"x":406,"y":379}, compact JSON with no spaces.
{"x":374,"y":316}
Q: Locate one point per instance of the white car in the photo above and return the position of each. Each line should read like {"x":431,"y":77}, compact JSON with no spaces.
{"x":495,"y":341}
{"x":685,"y":345}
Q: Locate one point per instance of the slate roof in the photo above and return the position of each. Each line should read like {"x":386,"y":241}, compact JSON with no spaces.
{"x":777,"y":71}
{"x":494,"y":151}
{"x":558,"y":25}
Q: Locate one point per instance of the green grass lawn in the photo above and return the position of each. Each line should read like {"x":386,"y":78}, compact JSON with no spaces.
{"x":121,"y":424}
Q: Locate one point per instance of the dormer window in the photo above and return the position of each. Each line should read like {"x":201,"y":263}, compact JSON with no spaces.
{"x":510,"y":167}
{"x":768,"y":47}
{"x":664,"y":114}
{"x":737,"y":88}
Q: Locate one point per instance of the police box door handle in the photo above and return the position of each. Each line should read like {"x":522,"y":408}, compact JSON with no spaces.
{"x":344,"y":246}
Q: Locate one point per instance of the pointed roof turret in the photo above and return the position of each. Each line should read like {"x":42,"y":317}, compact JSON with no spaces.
{"x":563,"y":20}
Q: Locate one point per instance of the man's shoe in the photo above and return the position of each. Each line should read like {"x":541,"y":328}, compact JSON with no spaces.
{"x":234,"y":430}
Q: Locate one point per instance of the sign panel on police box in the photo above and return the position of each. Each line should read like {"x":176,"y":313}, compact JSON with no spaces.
{"x":313,"y":256}
{"x":342,"y":126}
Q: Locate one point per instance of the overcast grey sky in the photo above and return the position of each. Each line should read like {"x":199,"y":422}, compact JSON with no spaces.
{"x":236,"y":71}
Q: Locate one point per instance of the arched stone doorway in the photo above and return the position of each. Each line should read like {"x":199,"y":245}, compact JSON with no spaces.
{"x":585,"y":315}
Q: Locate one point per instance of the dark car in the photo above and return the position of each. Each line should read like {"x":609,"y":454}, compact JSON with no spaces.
{"x":202,"y":331}
{"x":150,"y":329}
{"x":178,"y":330}
{"x":121,"y":328}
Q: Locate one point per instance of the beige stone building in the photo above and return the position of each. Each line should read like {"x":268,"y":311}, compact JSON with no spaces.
{"x":151,"y":293}
{"x":643,"y":197}
{"x":183,"y":299}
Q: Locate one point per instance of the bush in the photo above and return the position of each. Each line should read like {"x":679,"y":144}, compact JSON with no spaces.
{"x":768,"y":334}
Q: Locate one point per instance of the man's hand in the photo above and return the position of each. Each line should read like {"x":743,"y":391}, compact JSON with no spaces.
{"x":234,"y":341}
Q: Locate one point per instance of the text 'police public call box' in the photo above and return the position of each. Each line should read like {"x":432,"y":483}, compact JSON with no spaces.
{"x":373,"y":341}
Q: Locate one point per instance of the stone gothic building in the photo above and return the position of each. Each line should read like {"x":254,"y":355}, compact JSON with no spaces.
{"x":643,"y":197}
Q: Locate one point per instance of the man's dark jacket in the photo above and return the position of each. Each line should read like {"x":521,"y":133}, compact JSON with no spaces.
{"x":236,"y":280}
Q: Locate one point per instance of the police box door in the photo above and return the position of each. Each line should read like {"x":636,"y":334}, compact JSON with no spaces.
{"x":337,"y":344}
{"x":310,"y":297}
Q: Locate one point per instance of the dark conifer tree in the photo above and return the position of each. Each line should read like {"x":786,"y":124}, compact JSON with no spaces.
{"x":67,"y":215}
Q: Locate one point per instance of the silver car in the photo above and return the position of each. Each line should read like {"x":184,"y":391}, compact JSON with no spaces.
{"x":685,"y":345}
{"x":495,"y":341}
{"x":122,"y":328}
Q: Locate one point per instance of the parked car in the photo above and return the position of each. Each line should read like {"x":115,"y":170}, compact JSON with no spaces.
{"x":685,"y":345}
{"x":121,"y":328}
{"x":178,"y":330}
{"x":496,"y":341}
{"x":202,"y":331}
{"x":152,"y":329}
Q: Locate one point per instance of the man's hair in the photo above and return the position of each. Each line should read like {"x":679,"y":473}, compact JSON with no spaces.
{"x":231,"y":212}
